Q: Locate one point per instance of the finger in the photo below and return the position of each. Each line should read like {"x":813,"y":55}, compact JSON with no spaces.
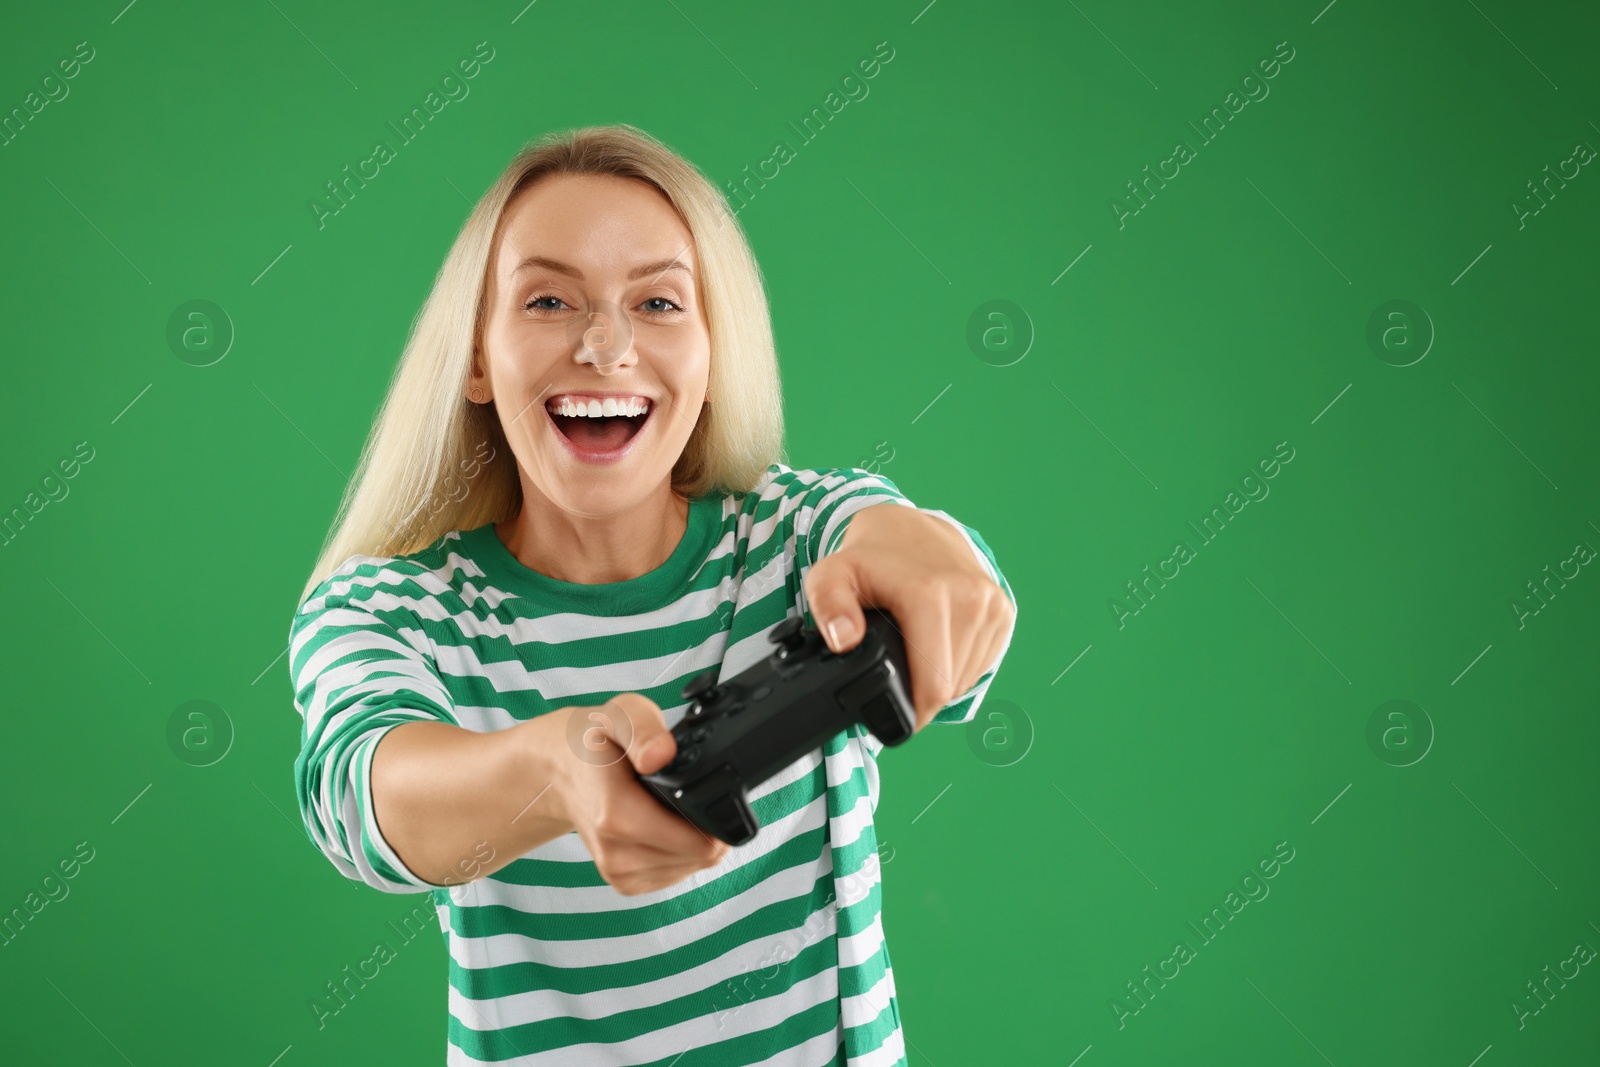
{"x":637,"y":835}
{"x":637,"y":857}
{"x":926,"y":632}
{"x":636,"y":724}
{"x":984,"y":650}
{"x":980,"y":639}
{"x":634,"y":883}
{"x":833,"y":593}
{"x":967,"y":618}
{"x":668,"y":838}
{"x":639,"y":818}
{"x":642,"y":866}
{"x":640,"y":869}
{"x":1005,"y":620}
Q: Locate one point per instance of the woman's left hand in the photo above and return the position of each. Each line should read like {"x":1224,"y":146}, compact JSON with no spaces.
{"x":920,"y":569}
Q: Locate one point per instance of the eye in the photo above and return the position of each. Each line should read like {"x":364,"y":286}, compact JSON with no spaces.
{"x":529,"y":306}
{"x":671,"y":306}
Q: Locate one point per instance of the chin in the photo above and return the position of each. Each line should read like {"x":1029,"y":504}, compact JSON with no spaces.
{"x":611,"y":491}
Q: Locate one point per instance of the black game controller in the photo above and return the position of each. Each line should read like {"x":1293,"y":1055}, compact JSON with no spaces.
{"x":738,"y":733}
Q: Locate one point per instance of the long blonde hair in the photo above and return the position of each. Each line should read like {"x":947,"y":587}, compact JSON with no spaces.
{"x":435,"y":461}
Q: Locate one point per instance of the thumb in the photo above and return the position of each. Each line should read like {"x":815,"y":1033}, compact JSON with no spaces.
{"x":832,"y":591}
{"x":636,"y":724}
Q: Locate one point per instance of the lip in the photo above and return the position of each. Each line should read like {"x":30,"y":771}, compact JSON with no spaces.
{"x":598,"y":458}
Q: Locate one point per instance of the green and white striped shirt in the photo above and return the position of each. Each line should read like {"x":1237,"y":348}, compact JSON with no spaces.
{"x":776,"y":955}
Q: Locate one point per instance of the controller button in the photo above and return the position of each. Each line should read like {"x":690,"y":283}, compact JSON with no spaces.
{"x":701,"y":687}
{"x":761,"y":693}
{"x":788,"y":632}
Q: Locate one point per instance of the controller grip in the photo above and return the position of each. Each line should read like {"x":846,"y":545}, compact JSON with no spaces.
{"x":719,"y":805}
{"x":884,"y":704}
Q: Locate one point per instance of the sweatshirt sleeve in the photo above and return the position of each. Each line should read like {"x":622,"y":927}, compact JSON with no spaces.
{"x":360,"y":665}
{"x":826,"y":506}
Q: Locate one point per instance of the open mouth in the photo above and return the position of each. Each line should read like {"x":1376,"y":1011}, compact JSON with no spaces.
{"x":598,"y":427}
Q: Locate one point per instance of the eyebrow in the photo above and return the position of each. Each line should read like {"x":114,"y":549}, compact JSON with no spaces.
{"x":573,"y":272}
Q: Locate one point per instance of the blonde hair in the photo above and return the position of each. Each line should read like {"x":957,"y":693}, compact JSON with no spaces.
{"x":408,"y":488}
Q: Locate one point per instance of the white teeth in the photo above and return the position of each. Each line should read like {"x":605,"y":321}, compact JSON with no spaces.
{"x":591,"y":408}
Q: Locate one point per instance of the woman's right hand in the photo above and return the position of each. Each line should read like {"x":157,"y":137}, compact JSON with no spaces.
{"x":592,"y":754}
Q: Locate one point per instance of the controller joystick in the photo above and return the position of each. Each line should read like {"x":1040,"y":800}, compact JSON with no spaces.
{"x":701,"y":688}
{"x":739,"y":733}
{"x":789,"y":634}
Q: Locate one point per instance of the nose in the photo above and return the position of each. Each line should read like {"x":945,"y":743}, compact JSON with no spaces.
{"x":603,"y":338}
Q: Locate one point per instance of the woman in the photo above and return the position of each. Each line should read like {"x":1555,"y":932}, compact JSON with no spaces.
{"x":571,"y":503}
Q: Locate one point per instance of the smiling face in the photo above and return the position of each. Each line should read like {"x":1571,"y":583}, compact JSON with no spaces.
{"x":595,"y":347}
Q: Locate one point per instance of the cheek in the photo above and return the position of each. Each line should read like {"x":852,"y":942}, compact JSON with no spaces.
{"x":681,"y":362}
{"x":520,"y":364}
{"x":697,"y":362}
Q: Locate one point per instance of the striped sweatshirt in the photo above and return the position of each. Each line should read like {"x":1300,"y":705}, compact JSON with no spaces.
{"x":774,"y":956}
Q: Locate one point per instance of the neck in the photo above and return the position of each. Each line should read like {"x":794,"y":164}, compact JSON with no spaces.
{"x":589,"y":550}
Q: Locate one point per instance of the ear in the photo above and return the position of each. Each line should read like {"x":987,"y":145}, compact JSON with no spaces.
{"x":477,"y":388}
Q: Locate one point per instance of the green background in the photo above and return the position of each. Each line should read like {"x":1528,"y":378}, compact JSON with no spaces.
{"x":1230,"y":314}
